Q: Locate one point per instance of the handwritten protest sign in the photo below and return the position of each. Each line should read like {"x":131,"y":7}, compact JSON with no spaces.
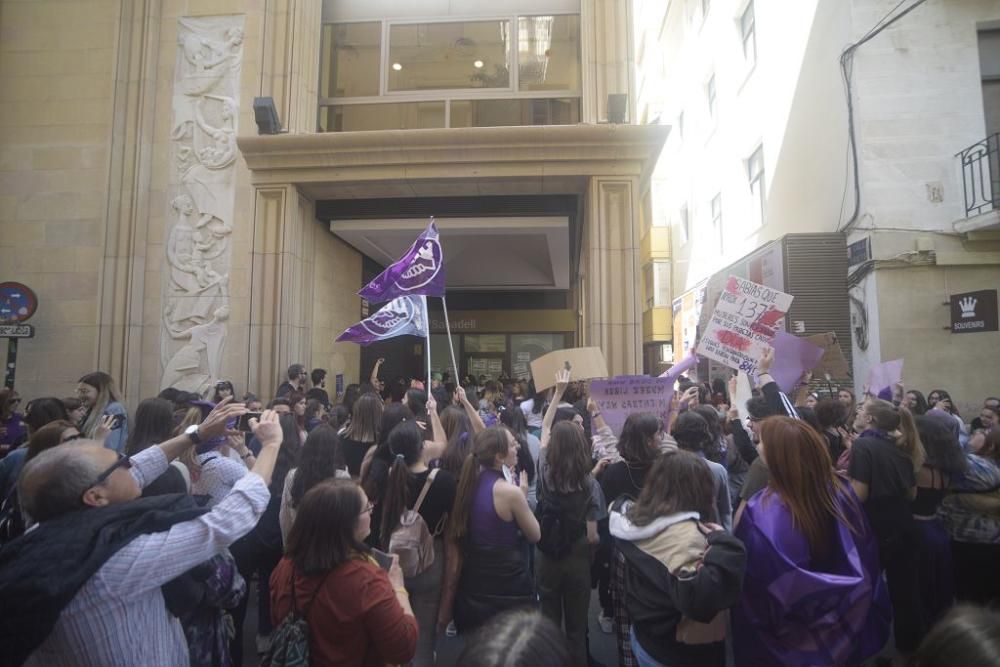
{"x":618,"y":397}
{"x":743,"y":324}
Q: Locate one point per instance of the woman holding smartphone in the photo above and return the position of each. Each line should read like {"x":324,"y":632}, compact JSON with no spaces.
{"x":98,"y":393}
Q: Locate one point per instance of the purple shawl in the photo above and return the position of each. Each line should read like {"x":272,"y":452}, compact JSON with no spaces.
{"x":793,"y":615}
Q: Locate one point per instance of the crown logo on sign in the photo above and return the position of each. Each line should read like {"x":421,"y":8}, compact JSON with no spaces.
{"x":968,"y":306}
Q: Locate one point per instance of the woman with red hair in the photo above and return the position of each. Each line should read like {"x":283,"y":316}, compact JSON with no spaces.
{"x":812,"y":594}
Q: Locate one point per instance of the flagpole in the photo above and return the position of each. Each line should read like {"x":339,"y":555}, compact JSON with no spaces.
{"x":427,"y":333}
{"x":451,"y":346}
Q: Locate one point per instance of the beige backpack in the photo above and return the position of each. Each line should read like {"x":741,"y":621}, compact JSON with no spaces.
{"x":412,"y":541}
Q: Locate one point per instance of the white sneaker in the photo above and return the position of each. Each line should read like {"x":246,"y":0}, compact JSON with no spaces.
{"x":451,"y":630}
{"x":606,"y":623}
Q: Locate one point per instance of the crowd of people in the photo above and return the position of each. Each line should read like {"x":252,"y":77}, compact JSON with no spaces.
{"x":819,"y":528}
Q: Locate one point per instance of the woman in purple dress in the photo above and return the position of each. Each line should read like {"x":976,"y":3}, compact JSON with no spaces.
{"x":812,"y":594}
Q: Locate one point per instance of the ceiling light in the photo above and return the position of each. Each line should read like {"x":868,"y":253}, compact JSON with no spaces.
{"x":478,"y":64}
{"x":397,"y":66}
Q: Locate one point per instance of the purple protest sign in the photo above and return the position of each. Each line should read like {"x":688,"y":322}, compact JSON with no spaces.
{"x":793,"y":356}
{"x":404,"y":316}
{"x":885,"y":376}
{"x":618,"y":397}
{"x":419,"y":272}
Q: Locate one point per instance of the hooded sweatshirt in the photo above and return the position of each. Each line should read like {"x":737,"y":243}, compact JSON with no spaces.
{"x":678,"y":583}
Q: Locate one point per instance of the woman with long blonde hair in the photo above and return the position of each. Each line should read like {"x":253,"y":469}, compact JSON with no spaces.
{"x":97,"y":391}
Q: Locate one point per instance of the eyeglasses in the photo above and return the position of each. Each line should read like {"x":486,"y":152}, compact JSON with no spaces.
{"x":70,"y":438}
{"x":122,"y":462}
{"x":753,"y":419}
{"x":368,"y":508}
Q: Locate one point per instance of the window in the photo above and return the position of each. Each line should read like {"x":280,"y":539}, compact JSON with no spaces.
{"x":656,"y":279}
{"x":350,"y":63}
{"x":706,"y":5}
{"x":548,"y":53}
{"x":710,"y":96}
{"x":755,"y":176}
{"x":441,"y":56}
{"x":717,"y":218}
{"x":748,"y":33}
{"x":525,"y":70}
{"x":683,"y":224}
{"x":680,"y":126}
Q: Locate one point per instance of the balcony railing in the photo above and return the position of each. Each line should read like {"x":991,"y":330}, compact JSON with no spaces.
{"x":981,"y":176}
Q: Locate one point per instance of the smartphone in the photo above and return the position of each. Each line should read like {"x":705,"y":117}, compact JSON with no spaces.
{"x":243,"y":423}
{"x":116,"y":422}
{"x":384,"y":559}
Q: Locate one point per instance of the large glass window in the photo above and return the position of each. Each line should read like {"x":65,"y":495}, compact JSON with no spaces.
{"x":441,"y":56}
{"x":402,"y":116}
{"x":548,"y":53}
{"x":350,"y":59}
{"x":496,"y":113}
{"x":527,"y":70}
{"x":525,"y":348}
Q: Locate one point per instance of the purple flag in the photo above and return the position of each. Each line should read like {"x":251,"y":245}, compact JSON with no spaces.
{"x":419,"y":272}
{"x":885,"y":376}
{"x":404,"y":316}
{"x":793,"y":356}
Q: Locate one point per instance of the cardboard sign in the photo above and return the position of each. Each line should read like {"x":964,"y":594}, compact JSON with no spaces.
{"x":585,"y":363}
{"x":618,"y":397}
{"x":793,"y":356}
{"x":745,"y":320}
{"x":833,"y":362}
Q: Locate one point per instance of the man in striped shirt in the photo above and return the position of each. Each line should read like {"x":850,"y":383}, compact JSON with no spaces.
{"x":118,"y":616}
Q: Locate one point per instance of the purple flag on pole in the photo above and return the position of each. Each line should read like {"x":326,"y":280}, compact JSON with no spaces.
{"x":419,"y":272}
{"x":404,"y":316}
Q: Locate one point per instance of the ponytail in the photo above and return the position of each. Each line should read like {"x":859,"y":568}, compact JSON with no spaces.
{"x":467,"y":483}
{"x":486,"y":446}
{"x":909,"y":439}
{"x":899,"y":424}
{"x":394,"y":500}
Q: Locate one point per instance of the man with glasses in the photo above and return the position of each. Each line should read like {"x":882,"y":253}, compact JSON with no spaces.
{"x":296,"y":382}
{"x":85,"y":581}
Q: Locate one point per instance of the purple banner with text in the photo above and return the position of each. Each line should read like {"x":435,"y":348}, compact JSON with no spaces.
{"x":618,"y":397}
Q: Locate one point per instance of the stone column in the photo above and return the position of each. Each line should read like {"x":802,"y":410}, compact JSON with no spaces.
{"x":282,"y":284}
{"x":612,"y":316}
{"x":608,"y":60}
{"x":290,"y":62}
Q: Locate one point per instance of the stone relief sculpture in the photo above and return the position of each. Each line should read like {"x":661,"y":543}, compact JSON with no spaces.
{"x":202,"y":199}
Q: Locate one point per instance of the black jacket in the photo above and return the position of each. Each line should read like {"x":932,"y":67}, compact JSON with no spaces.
{"x":42,"y":571}
{"x":677,"y":581}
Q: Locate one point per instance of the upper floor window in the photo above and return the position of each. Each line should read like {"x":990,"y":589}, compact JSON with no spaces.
{"x":683,"y":224}
{"x":474,"y":73}
{"x":748,"y":33}
{"x":716,"y":209}
{"x":755,"y":176}
{"x":710,"y":96}
{"x":656,"y":280}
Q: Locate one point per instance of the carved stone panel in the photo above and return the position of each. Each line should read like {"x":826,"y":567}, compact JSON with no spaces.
{"x":202,"y":197}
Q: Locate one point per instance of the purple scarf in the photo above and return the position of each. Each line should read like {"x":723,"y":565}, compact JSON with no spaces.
{"x":792,"y":614}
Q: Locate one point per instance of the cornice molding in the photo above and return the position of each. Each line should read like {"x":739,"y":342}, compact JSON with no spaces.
{"x":568,"y":150}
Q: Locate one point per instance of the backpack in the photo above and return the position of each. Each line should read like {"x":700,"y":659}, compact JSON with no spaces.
{"x":289,"y":645}
{"x":412,"y":541}
{"x":560,"y":528}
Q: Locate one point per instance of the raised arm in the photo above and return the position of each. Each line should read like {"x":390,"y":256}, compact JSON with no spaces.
{"x":439,"y":441}
{"x":562,"y":381}
{"x":373,"y":379}
{"x":470,"y":410}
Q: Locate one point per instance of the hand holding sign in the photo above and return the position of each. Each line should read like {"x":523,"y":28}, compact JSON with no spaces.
{"x":746,"y":318}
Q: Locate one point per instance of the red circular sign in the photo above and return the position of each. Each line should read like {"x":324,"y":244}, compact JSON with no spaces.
{"x":17,"y":303}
